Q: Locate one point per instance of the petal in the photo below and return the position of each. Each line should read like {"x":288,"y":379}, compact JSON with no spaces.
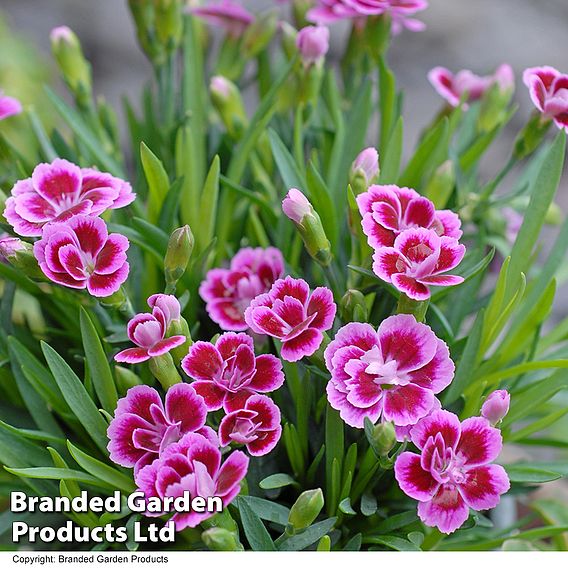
{"x":102,"y":285}
{"x":138,"y":400}
{"x":451,"y":254}
{"x":440,"y":421}
{"x":269,"y":375}
{"x":185,"y":406}
{"x":264,"y":445}
{"x":230,"y":475}
{"x":387,"y":261}
{"x":447,"y":510}
{"x":361,"y":335}
{"x":268,"y":412}
{"x":203,"y":361}
{"x":438,"y":373}
{"x":57,"y":181}
{"x":294,"y":287}
{"x":450,"y":222}
{"x":263,"y":320}
{"x":91,"y":233}
{"x":411,"y":287}
{"x":303,"y":345}
{"x":363,"y":392}
{"x":163,"y":346}
{"x":406,"y":405}
{"x":135,"y":322}
{"x":441,"y":280}
{"x":228,"y":343}
{"x":479,"y":443}
{"x":132,"y":355}
{"x":483,"y":486}
{"x":351,"y":414}
{"x":410,"y":343}
{"x":412,"y":479}
{"x":121,"y":446}
{"x":234,"y":401}
{"x":442,"y":80}
{"x":419,"y":213}
{"x":227,"y":315}
{"x":290,"y":310}
{"x":112,"y":255}
{"x":71,"y":261}
{"x":377,"y":235}
{"x":322,"y":304}
{"x":34,"y":208}
{"x":211,"y":393}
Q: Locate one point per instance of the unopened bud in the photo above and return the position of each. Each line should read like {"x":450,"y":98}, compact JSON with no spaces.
{"x":20,"y":255}
{"x":297,"y":208}
{"x":353,"y":307}
{"x":312,"y":43}
{"x":259,"y":34}
{"x":178,"y":253}
{"x":306,"y":509}
{"x":76,"y":70}
{"x":228,"y":102}
{"x":496,"y":406}
{"x":220,"y":539}
{"x":143,"y":15}
{"x":381,"y":437}
{"x":364,"y":170}
{"x":169,"y":23}
{"x":126,"y":379}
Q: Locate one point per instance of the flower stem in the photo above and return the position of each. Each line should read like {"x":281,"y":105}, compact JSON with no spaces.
{"x":163,"y":368}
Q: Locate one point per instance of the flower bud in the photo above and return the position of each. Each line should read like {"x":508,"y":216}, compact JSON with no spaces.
{"x":353,"y":307}
{"x":306,"y":509}
{"x":496,"y":406}
{"x":169,"y":23}
{"x":21,"y":256}
{"x":229,"y":104}
{"x":364,"y":170}
{"x":76,"y":70}
{"x":178,"y":253}
{"x":259,"y":34}
{"x":381,"y":437}
{"x":143,"y":15}
{"x":312,"y":43}
{"x":297,"y":208}
{"x":220,"y":539}
{"x":126,"y":379}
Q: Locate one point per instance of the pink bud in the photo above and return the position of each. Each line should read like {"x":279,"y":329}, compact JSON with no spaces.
{"x":296,"y":205}
{"x":505,"y":77}
{"x":220,"y":86}
{"x":367,"y":162}
{"x":62,"y":33}
{"x":312,"y":43}
{"x":496,"y":406}
{"x":9,"y":246}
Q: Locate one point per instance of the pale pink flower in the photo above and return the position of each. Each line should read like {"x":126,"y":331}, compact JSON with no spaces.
{"x":418,"y":259}
{"x":193,"y":464}
{"x":548,"y":89}
{"x":387,"y":210}
{"x":60,"y":190}
{"x":9,"y":106}
{"x":291,"y":314}
{"x":227,"y":14}
{"x":143,"y":426}
{"x":496,"y":406}
{"x":228,"y":373}
{"x":81,"y":254}
{"x":312,"y":43}
{"x":256,"y":425}
{"x":229,"y":291}
{"x":149,"y":331}
{"x":366,"y":162}
{"x":391,"y":374}
{"x":453,"y":472}
{"x":452,"y":87}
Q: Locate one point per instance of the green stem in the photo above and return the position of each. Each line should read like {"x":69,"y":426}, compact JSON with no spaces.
{"x":299,"y":136}
{"x":416,"y":308}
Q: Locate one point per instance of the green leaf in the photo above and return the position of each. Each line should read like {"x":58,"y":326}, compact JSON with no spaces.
{"x":58,"y":473}
{"x":157,"y":180}
{"x":536,"y":426}
{"x":467,"y":365}
{"x":321,"y":198}
{"x":394,"y":542}
{"x":208,"y":205}
{"x":287,"y":166}
{"x":395,"y":522}
{"x":98,"y":364}
{"x":277,"y":480}
{"x":387,"y":103}
{"x":390,"y":160}
{"x":334,"y":450}
{"x":346,"y":508}
{"x":84,"y":133}
{"x":101,"y":470}
{"x":77,"y":397}
{"x":543,"y":191}
{"x":354,"y":543}
{"x":309,"y":536}
{"x":255,"y":531}
{"x":526,"y":473}
{"x":267,"y":510}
